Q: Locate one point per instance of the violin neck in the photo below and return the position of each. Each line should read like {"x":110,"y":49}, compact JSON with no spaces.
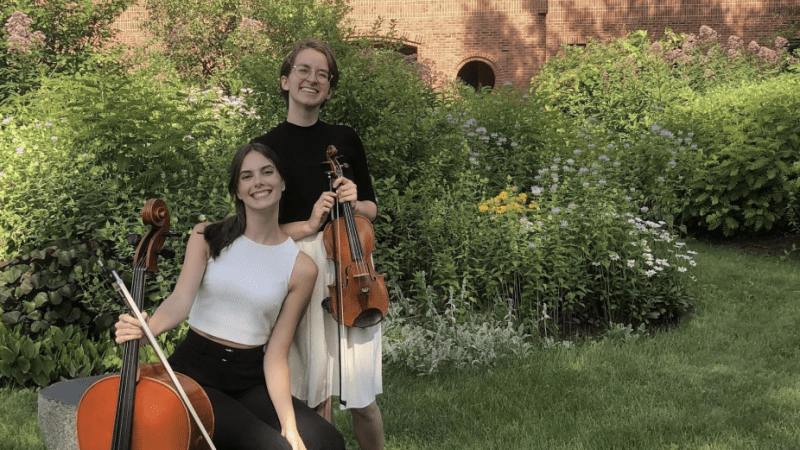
{"x":123,"y":420}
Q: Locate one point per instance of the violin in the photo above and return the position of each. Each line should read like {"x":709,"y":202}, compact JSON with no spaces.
{"x":358,"y":296}
{"x":145,"y":410}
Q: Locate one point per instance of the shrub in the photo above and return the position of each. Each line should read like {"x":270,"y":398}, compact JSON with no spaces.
{"x":41,"y":289}
{"x":88,"y":147}
{"x":626,"y":82}
{"x":45,"y":37}
{"x":59,"y":353}
{"x":744,"y":172}
{"x":565,"y":246}
{"x":427,"y":340}
{"x":209,"y":40}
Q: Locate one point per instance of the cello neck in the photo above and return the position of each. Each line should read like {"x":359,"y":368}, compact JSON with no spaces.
{"x":123,"y":420}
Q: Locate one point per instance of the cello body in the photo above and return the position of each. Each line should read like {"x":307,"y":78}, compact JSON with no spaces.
{"x":160,"y":419}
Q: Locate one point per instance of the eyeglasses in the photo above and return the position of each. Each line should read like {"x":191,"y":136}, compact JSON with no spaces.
{"x":322,"y":76}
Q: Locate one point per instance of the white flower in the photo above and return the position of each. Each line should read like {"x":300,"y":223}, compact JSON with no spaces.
{"x":631,"y":262}
{"x":682,"y":269}
{"x":650,"y":273}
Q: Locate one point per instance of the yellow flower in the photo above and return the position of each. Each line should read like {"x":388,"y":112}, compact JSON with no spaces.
{"x":483,"y":208}
{"x":503,"y":195}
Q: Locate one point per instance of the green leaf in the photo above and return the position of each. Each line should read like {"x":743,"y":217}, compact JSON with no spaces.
{"x":58,"y":336}
{"x":23,"y":365}
{"x":6,"y":354}
{"x":41,"y":379}
{"x":28,"y":348}
{"x":40,"y":299}
{"x":5,"y":369}
{"x":12,"y":317}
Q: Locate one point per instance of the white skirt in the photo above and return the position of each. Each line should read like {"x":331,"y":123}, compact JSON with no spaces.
{"x":314,"y":354}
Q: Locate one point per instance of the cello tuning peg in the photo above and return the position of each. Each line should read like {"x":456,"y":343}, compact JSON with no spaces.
{"x":170,"y":234}
{"x":134,"y":239}
{"x":166,"y":253}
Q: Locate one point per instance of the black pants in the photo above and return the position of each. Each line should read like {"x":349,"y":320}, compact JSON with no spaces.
{"x":244,"y":417}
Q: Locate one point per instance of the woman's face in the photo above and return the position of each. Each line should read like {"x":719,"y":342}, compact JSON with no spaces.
{"x":260,"y":186}
{"x":307,"y":88}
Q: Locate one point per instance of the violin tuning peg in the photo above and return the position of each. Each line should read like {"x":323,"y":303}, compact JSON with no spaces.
{"x":166,"y":253}
{"x":134,"y":239}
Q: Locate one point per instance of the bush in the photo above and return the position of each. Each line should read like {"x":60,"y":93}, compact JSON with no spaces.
{"x":89,"y":147}
{"x":743,"y":173}
{"x":41,"y":289}
{"x":565,"y":246}
{"x":46,"y":37}
{"x":626,"y":82}
{"x":208,"y":41}
{"x":59,"y":353}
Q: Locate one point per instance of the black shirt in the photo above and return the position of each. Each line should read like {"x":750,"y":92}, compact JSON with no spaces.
{"x":303,"y":157}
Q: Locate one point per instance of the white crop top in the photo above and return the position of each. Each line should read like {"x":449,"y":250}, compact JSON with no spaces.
{"x":243,"y":289}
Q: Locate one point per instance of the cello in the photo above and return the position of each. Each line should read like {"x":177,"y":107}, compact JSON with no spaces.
{"x":141,"y":408}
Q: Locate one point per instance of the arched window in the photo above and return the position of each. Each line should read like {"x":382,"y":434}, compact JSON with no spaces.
{"x":477,"y":74}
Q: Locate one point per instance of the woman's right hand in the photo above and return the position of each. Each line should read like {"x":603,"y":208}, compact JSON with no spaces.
{"x":128,"y":328}
{"x":321,"y":210}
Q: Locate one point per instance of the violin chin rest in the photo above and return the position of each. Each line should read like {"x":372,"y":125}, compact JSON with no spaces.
{"x":368,"y":317}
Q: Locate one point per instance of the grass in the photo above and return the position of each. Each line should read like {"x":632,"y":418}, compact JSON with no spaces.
{"x":727,"y":377}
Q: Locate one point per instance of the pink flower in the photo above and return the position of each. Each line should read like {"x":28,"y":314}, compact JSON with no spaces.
{"x":707,"y":34}
{"x":20,"y":38}
{"x":735,"y":42}
{"x":768,"y":54}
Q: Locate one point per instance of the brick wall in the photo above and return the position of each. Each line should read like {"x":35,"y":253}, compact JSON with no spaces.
{"x":128,"y":24}
{"x":514,"y":37}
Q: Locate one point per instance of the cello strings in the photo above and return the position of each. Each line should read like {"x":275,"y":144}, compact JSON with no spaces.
{"x":123,"y":424}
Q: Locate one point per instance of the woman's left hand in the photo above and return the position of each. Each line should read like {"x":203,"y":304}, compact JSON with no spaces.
{"x":293,"y":436}
{"x":347,"y":190}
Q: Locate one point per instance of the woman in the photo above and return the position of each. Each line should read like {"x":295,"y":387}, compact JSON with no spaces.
{"x":308,"y":78}
{"x":244,"y":285}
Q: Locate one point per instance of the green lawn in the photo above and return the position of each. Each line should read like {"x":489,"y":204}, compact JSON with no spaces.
{"x":728,"y":377}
